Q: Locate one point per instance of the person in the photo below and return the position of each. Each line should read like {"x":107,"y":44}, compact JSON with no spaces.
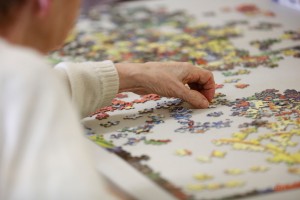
{"x":43,"y":152}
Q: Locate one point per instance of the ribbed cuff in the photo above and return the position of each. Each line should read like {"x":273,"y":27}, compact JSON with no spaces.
{"x":92,"y":84}
{"x":109,"y":78}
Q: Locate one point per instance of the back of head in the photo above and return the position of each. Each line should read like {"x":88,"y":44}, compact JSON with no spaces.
{"x":6,"y":9}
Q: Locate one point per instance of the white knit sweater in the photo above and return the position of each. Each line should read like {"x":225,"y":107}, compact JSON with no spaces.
{"x":43,"y":153}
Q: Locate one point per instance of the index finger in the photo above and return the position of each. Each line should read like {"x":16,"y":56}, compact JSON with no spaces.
{"x":202,"y":81}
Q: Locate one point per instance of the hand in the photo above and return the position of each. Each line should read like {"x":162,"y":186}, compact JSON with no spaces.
{"x":169,"y":79}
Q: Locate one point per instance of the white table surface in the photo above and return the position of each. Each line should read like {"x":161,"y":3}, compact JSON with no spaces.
{"x":286,"y":76}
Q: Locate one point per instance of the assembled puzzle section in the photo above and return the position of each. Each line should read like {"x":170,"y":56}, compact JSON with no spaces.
{"x":245,"y":144}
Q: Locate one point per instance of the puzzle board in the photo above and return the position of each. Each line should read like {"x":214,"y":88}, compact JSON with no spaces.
{"x":245,"y":145}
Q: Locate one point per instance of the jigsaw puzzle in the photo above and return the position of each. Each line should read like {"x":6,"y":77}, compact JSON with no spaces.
{"x":251,"y":128}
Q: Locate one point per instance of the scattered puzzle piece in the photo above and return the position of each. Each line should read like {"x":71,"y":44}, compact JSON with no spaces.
{"x":294,"y":170}
{"x":110,"y":123}
{"x":133,"y":116}
{"x":234,"y":171}
{"x":183,"y":152}
{"x":118,"y":136}
{"x":196,"y":187}
{"x":215,"y":114}
{"x":241,"y":85}
{"x":157,"y":142}
{"x":234,"y":183}
{"x":203,"y":177}
{"x":264,"y":44}
{"x":203,"y":159}
{"x":232,"y":80}
{"x":259,"y":169}
{"x":214,"y":186}
{"x":239,"y":72}
{"x":218,"y":154}
{"x":101,"y":116}
{"x":146,"y":110}
{"x":133,"y":141}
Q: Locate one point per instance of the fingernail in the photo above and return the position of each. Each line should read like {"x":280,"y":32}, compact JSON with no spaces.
{"x":205,"y":103}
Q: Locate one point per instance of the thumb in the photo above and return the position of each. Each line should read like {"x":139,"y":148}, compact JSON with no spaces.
{"x":195,"y":98}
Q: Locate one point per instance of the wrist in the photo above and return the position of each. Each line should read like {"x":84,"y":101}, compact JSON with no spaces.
{"x":129,"y":75}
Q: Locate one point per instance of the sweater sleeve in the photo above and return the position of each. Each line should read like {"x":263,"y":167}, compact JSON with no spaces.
{"x":43,"y":153}
{"x":91,"y":85}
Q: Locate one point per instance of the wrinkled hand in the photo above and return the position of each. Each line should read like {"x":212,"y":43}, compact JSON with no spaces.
{"x":169,"y":79}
